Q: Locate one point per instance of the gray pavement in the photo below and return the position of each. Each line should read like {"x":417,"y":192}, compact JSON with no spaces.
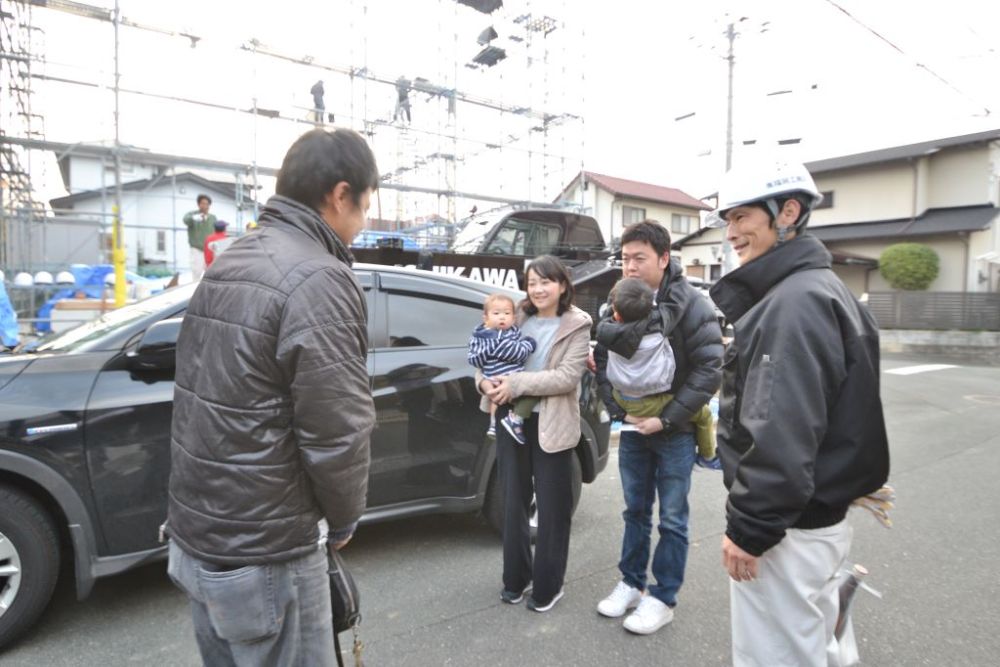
{"x":430,"y":586}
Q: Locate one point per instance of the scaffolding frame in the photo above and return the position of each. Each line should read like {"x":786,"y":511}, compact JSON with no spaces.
{"x":428,"y":158}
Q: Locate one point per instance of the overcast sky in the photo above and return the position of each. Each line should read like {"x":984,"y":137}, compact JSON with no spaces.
{"x":630,"y":68}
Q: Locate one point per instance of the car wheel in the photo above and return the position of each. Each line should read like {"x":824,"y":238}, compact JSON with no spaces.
{"x":29,"y":562}
{"x":493,"y":508}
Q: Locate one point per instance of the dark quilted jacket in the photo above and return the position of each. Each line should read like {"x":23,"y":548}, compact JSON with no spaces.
{"x":696,"y":339}
{"x":272,"y":406}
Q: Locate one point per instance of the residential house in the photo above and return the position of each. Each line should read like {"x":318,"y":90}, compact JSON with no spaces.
{"x":617,"y":202}
{"x":943,"y":193}
{"x":154,"y":201}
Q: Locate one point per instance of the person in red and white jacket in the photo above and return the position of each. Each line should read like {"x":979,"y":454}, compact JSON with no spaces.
{"x":217,"y":242}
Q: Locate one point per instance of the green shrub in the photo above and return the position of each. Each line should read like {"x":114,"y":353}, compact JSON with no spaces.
{"x":909,"y":266}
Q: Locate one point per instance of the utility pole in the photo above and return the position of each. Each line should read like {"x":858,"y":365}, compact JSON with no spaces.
{"x":731,"y":36}
{"x":256,"y":205}
{"x":728,"y":261}
{"x":117,"y":237}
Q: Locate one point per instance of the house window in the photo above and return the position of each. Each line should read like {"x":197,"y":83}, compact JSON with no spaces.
{"x":161,"y":241}
{"x":632,"y":215}
{"x":827,"y":201}
{"x":683,"y":224}
{"x":714,"y":272}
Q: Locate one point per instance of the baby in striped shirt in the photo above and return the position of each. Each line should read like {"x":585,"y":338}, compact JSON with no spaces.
{"x":497,"y":348}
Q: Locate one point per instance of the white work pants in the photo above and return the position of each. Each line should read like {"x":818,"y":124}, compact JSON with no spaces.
{"x":786,"y":616}
{"x":197,"y":263}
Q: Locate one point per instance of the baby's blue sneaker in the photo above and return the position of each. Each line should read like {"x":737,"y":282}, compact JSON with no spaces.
{"x":710,"y":464}
{"x":514,"y":426}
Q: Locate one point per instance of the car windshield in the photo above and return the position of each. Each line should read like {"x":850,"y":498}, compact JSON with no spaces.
{"x":115,"y":320}
{"x":470,"y":237}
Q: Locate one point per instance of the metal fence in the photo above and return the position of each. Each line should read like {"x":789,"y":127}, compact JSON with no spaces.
{"x":975,"y":311}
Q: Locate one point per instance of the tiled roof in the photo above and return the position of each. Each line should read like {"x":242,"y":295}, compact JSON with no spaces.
{"x":226,"y":189}
{"x":899,"y":152}
{"x":647,"y":191}
{"x":933,"y":221}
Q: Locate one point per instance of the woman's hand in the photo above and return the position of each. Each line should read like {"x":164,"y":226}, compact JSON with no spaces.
{"x":486,"y":386}
{"x":500,"y":392}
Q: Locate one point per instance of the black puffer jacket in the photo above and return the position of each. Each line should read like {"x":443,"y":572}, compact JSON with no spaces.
{"x":801,"y":432}
{"x":272,"y":406}
{"x":696,"y":339}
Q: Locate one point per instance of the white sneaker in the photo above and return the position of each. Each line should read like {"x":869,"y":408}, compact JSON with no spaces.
{"x":649,"y":616}
{"x":623,"y":598}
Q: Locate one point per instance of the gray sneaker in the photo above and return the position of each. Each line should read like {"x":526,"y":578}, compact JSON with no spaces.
{"x":512,"y":597}
{"x":540,"y":608}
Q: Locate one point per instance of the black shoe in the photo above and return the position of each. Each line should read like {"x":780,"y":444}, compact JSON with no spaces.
{"x":510,"y":597}
{"x":540,"y":608}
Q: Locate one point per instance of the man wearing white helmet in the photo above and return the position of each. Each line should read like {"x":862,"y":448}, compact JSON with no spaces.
{"x":801,"y":432}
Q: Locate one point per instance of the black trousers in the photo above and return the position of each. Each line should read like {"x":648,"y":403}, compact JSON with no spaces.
{"x":525,"y":469}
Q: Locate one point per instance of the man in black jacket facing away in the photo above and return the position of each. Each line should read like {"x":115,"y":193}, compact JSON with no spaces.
{"x":801,"y":431}
{"x":656,"y":458}
{"x":272,"y":416}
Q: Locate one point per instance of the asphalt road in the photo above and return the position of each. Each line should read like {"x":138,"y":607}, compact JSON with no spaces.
{"x":430,"y":586}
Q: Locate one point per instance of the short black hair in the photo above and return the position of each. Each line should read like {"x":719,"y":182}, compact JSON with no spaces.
{"x":319,"y":160}
{"x":203,"y":196}
{"x":651,"y":232}
{"x":549,"y":267}
{"x":632,"y":299}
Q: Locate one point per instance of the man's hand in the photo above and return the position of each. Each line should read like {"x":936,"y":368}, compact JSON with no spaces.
{"x":337,"y":546}
{"x":591,"y":364}
{"x":740,"y":565}
{"x":645,"y":425}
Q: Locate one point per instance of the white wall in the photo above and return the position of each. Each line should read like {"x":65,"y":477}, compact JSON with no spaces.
{"x":883,"y":192}
{"x":91,"y":173}
{"x":706,"y":249}
{"x":960,"y":177}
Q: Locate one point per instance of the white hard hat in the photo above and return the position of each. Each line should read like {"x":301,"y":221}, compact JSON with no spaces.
{"x":65,"y":278}
{"x":109,"y":278}
{"x":762,"y":182}
{"x":43,"y":278}
{"x":23,"y":280}
{"x":3,"y":276}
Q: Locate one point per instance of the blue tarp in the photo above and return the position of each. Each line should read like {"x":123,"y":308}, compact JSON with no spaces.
{"x":89,"y":280}
{"x":8,"y":319}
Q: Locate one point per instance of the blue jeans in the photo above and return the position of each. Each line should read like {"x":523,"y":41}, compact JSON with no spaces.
{"x":651,"y":466}
{"x":272,"y":614}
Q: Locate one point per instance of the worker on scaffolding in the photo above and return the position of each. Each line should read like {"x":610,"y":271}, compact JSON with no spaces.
{"x":319,"y":106}
{"x":402,"y":99}
{"x":200,"y":224}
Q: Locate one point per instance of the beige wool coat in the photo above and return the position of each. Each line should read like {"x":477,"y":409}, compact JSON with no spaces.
{"x":558,"y":385}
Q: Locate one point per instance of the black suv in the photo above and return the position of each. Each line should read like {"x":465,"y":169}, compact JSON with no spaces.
{"x":85,"y":426}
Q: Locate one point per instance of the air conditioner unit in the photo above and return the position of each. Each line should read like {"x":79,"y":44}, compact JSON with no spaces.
{"x":696,"y":262}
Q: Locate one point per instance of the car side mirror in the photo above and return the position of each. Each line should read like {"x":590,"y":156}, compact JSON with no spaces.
{"x":157,"y":349}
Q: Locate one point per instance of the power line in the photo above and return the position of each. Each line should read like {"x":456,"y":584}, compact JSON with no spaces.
{"x":920,"y":65}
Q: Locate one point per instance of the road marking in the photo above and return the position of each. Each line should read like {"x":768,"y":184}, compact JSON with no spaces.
{"x":926,"y":368}
{"x":985,"y":399}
